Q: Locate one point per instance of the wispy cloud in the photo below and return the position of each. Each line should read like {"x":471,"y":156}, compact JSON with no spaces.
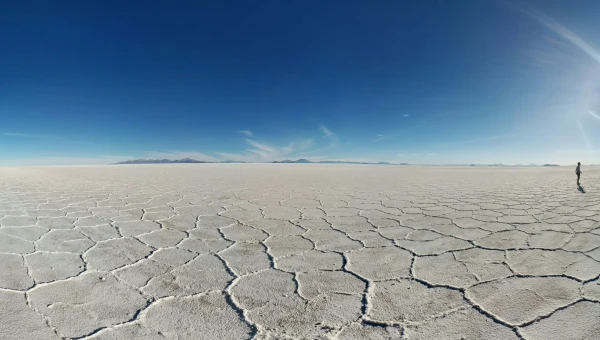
{"x":329,"y":135}
{"x":551,"y":51}
{"x":561,"y":30}
{"x":381,"y":137}
{"x":325,"y":131}
{"x":406,"y":115}
{"x":262,"y":152}
{"x":256,"y":151}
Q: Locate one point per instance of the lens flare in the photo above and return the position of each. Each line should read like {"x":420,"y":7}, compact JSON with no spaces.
{"x":587,"y":140}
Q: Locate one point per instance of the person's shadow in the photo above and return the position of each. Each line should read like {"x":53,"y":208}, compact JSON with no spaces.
{"x":581,"y":190}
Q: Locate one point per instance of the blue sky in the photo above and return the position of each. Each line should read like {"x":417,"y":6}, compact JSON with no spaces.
{"x":432,"y":82}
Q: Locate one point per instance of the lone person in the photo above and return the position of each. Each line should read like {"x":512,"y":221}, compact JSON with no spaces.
{"x":578,"y":172}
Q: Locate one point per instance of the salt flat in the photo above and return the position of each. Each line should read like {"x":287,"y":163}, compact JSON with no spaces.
{"x":274,"y":251}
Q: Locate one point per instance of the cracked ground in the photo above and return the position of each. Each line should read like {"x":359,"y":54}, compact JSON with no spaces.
{"x":260,"y":251}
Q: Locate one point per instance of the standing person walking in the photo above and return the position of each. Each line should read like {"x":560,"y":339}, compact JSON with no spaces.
{"x":578,"y":172}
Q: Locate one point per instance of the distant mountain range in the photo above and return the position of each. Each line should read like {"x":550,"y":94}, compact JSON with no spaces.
{"x":306,"y":161}
{"x":161,"y":161}
{"x":515,"y":165}
{"x":499,"y":165}
{"x":287,"y":161}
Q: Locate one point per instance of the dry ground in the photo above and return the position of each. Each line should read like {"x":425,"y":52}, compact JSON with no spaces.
{"x":276,"y":251}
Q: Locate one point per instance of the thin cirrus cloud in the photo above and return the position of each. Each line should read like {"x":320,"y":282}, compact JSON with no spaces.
{"x":561,"y":30}
{"x":262,"y":152}
{"x":381,"y":137}
{"x":330,"y":138}
{"x":328,"y":134}
{"x":325,"y":131}
{"x":256,"y":151}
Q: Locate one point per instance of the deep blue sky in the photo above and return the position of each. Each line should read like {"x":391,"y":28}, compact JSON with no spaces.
{"x":404,"y":81}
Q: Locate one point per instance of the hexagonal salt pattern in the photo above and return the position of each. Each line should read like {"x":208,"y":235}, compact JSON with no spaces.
{"x":278,"y":251}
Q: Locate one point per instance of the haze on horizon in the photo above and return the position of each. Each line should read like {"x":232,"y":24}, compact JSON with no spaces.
{"x":430,"y":82}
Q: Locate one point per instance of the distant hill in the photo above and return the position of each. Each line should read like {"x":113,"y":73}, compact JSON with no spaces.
{"x":296,"y":161}
{"x":161,"y":161}
{"x":287,"y":161}
{"x":340,"y":162}
{"x":306,"y":161}
{"x":515,"y":165}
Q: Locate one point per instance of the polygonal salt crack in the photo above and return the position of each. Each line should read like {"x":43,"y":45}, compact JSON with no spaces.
{"x":81,"y":305}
